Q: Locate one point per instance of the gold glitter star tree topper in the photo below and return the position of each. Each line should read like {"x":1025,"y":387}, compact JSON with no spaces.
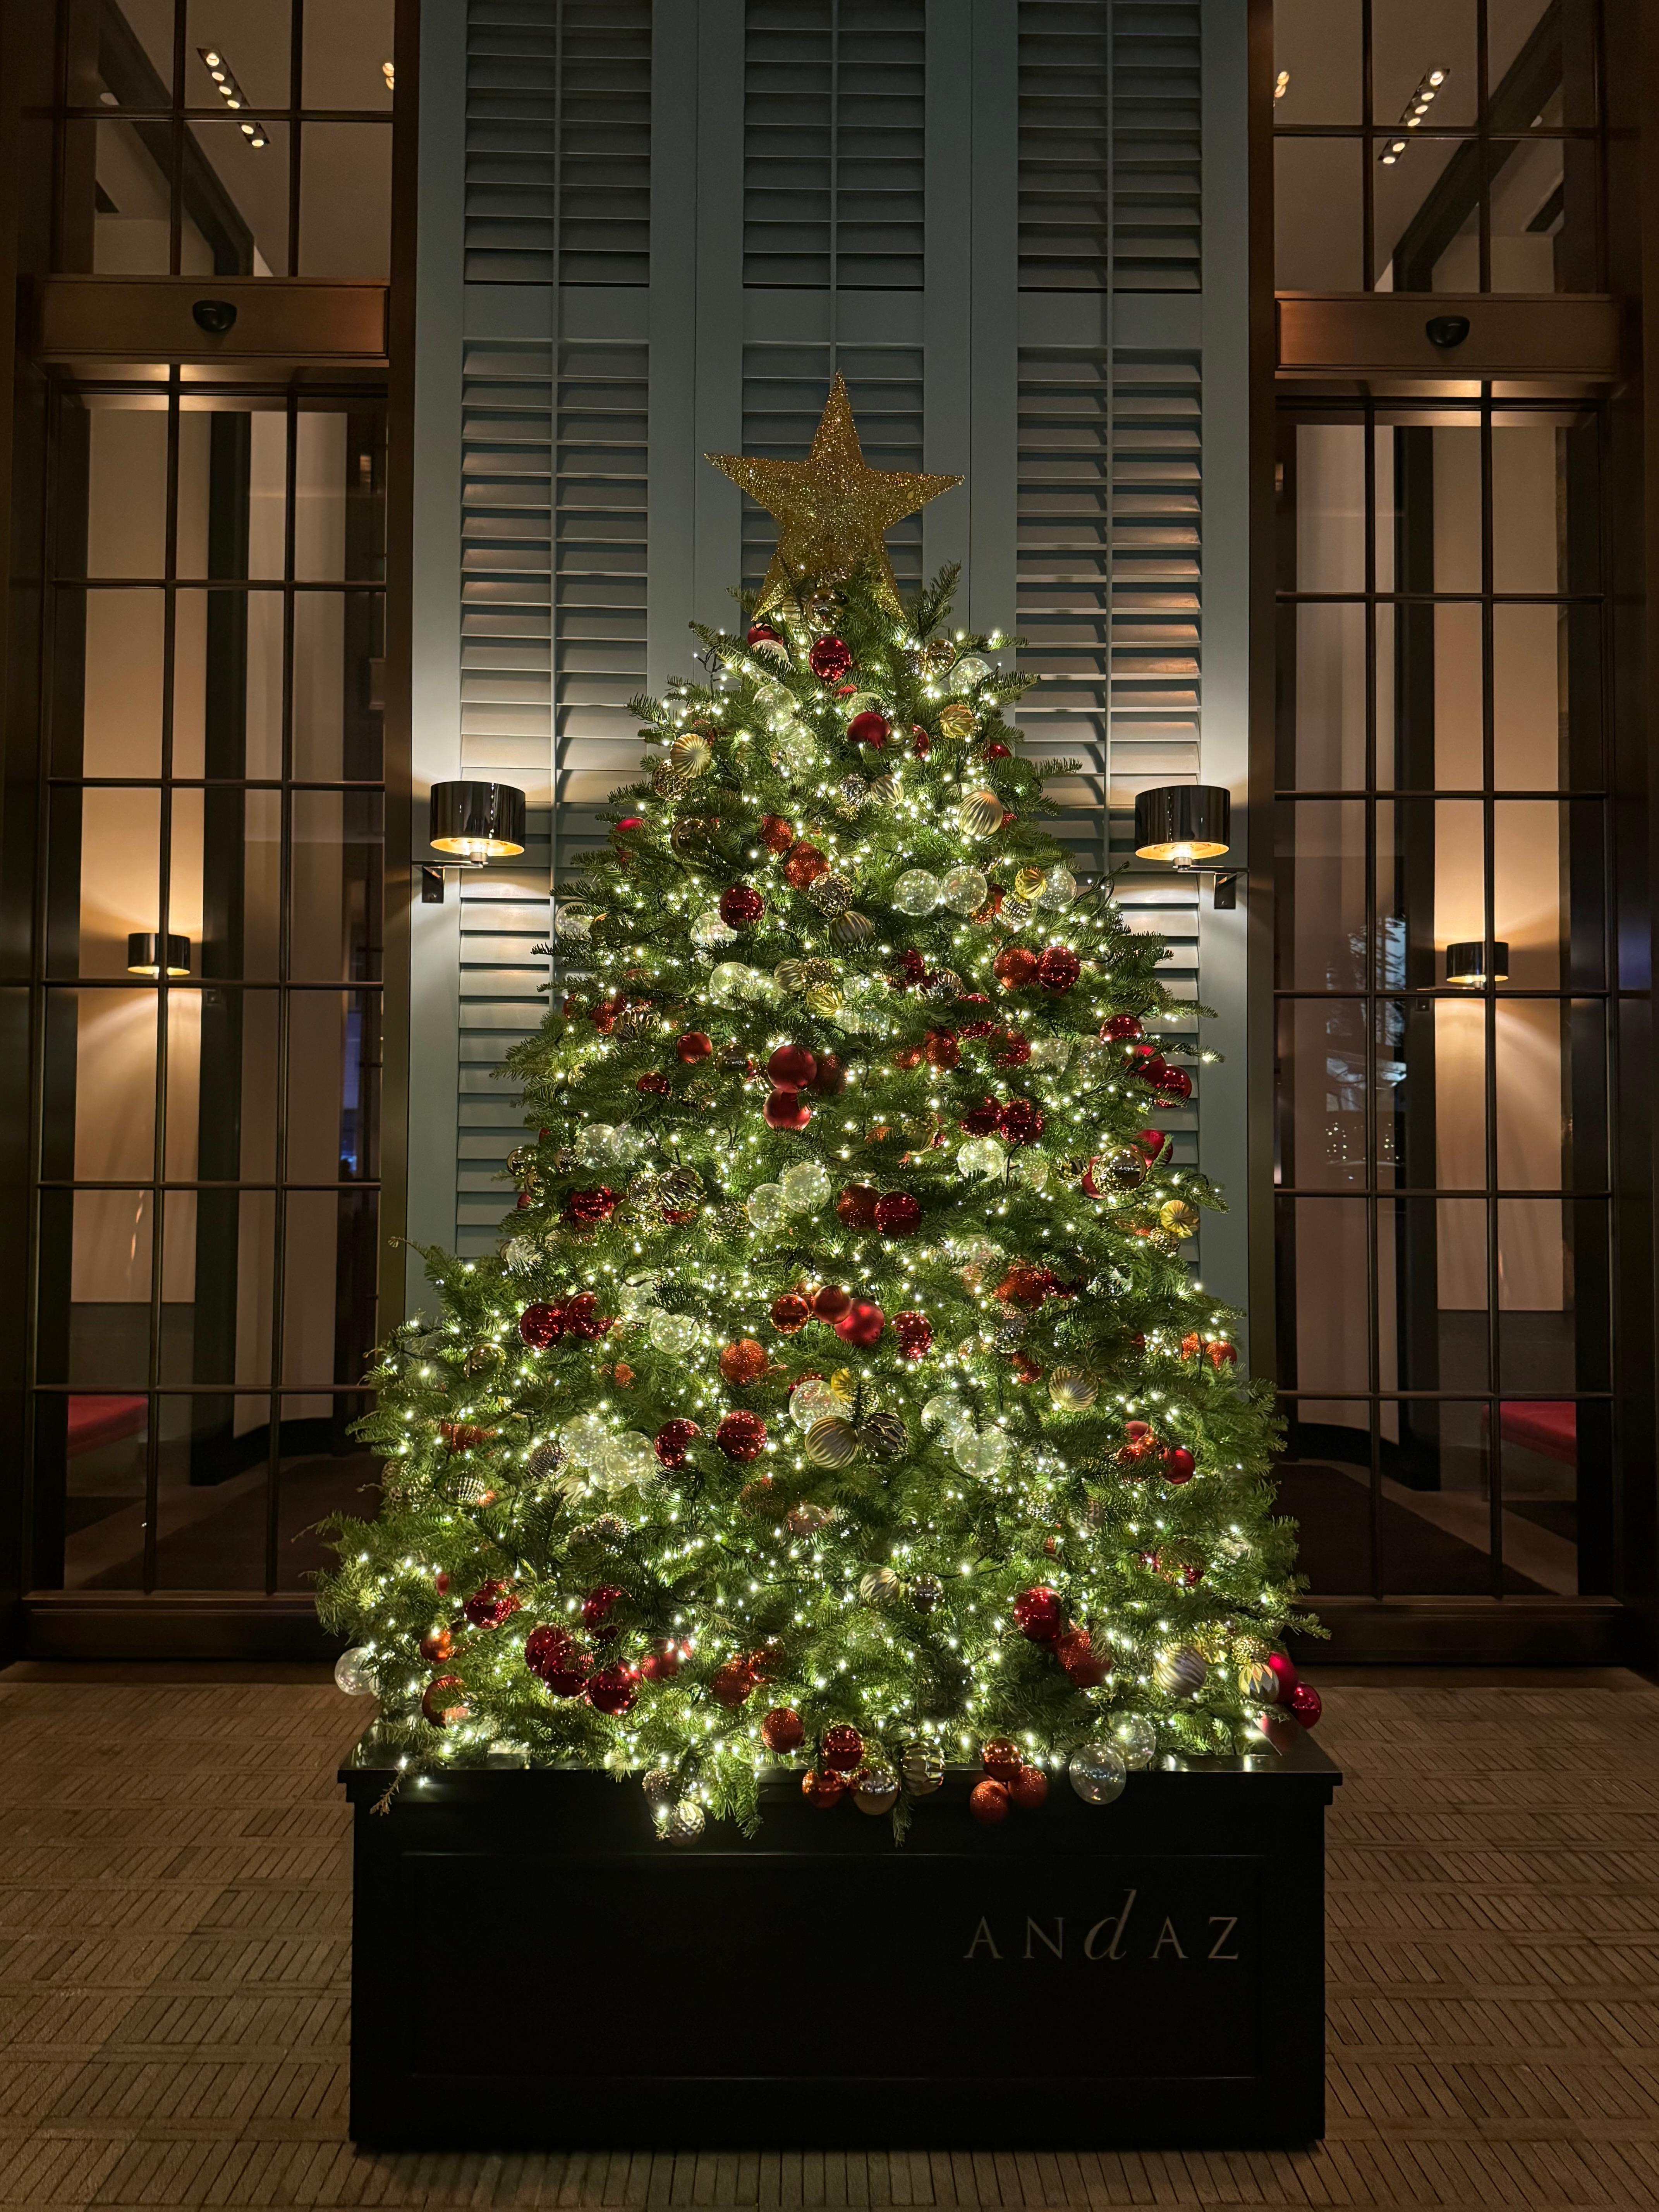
{"x":831,"y":510}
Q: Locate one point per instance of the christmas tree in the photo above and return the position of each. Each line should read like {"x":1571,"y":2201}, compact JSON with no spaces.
{"x":840,"y":1396}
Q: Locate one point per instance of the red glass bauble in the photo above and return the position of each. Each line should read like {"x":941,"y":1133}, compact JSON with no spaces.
{"x":662,"y":1662}
{"x":830,"y":659}
{"x":582,"y":1317}
{"x":732,"y":1684}
{"x":980,"y":1121}
{"x":822,"y":1787}
{"x":490,"y":1604}
{"x":1015,"y":967}
{"x":915,"y":1333}
{"x":908,"y":1056}
{"x":1039,"y":1614}
{"x":1147,"y":1061}
{"x":630,"y":822}
{"x":803,"y":864}
{"x":1176,"y":1083}
{"x":1305,"y":1703}
{"x":1151,"y":1142}
{"x":856,"y":1206}
{"x":1059,"y":968}
{"x":547,"y":1647}
{"x":862,"y":1325}
{"x":792,"y":1067}
{"x":921,"y":743}
{"x":831,"y":1079}
{"x":1220,"y":1353}
{"x":786,"y":1110}
{"x":898,"y":1215}
{"x":913,"y":969}
{"x":588,"y":1207}
{"x":597,"y":1608}
{"x":870,"y":728}
{"x":741,"y":1436}
{"x":742,"y":1363}
{"x":1120,"y":1029}
{"x":693,"y":1047}
{"x":781,"y":1729}
{"x":1000,"y":1758}
{"x":1076,"y":1653}
{"x":1014,"y":1050}
{"x":789,"y":1313}
{"x":1191,"y":1574}
{"x":654,"y":1085}
{"x":613,"y":1689}
{"x":842,"y":1748}
{"x":441,"y":1581}
{"x":776,"y":835}
{"x":942,"y":1049}
{"x":1020,"y":1121}
{"x":541,"y":1326}
{"x":741,"y":903}
{"x":761,"y":632}
{"x":831,"y":1303}
{"x":1178,"y":1464}
{"x":997,"y":751}
{"x":436,"y":1645}
{"x":444,"y":1700}
{"x":987,"y":1801}
{"x":1029,"y":1788}
{"x":671,"y":1439}
{"x":1283,"y":1670}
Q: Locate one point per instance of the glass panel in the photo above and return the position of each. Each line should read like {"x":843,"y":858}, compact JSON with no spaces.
{"x":104,"y":877}
{"x":333,"y":1108}
{"x":1428,"y":506}
{"x":337,"y":863}
{"x":228,"y":684}
{"x":1549,"y":873}
{"x":1427,"y":214}
{"x":101,"y":1050}
{"x":1531,"y":673}
{"x":1325,"y":1487}
{"x":1544,"y":1444}
{"x":235,"y":199}
{"x":1321,"y":1093}
{"x":345,"y":200}
{"x":116,"y":196}
{"x":1436,"y":1493}
{"x":340,"y":523}
{"x":347,"y":51}
{"x":254,"y":68}
{"x":1543,"y":215}
{"x":233,"y":487}
{"x":1320,"y":901}
{"x":1321,"y":695}
{"x":114,"y":726}
{"x":1324,"y":1272}
{"x":339,"y":710}
{"x":1529,"y":488}
{"x":126,"y":487}
{"x":210,"y":1504}
{"x":97,"y":1336}
{"x":1431,"y":1094}
{"x":221,"y":1330}
{"x":103,"y":1438}
{"x":1553,"y":1318}
{"x":324,"y":1470}
{"x":329,"y":1289}
{"x":1326,"y":488}
{"x":1318,"y":60}
{"x":1409,"y":46}
{"x":1429,"y":683}
{"x":222,"y":1092}
{"x":1431,"y":888}
{"x":226,"y":880}
{"x":1318,"y":214}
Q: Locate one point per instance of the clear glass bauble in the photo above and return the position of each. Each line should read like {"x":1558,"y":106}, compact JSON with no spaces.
{"x":814,"y":1400}
{"x":968,"y":671}
{"x":1098,"y":1772}
{"x":731,"y":980}
{"x":709,"y":930}
{"x":573,"y":919}
{"x":1058,"y":890}
{"x":965,"y":890}
{"x":917,"y":891}
{"x":946,"y":1413}
{"x":674,"y":1333}
{"x":1137,"y":1739}
{"x":980,"y":1155}
{"x":588,"y":1438}
{"x":599,"y":1144}
{"x":1050,"y":1051}
{"x":765,"y":1205}
{"x":794,"y":751}
{"x":628,"y":1459}
{"x":637,"y":1299}
{"x":351,"y":1674}
{"x":803,"y":1188}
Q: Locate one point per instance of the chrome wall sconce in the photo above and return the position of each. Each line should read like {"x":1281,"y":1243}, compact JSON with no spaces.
{"x":1474,"y":965}
{"x":1186,"y":824}
{"x":145,"y":953}
{"x":475,"y":822}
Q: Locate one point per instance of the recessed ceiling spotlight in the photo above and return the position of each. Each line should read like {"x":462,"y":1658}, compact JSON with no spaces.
{"x":231,"y":92}
{"x":1413,"y":112}
{"x":1281,"y":86}
{"x":389,"y":73}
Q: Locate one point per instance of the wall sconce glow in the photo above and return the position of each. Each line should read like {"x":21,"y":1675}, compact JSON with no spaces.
{"x":144,"y":954}
{"x":1184,"y":823}
{"x":477,"y":822}
{"x":1466,"y":963}
{"x":230,"y":92}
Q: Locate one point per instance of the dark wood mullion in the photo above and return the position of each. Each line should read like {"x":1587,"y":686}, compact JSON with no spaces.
{"x":1373,"y":1006}
{"x":175,"y":131}
{"x":1367,"y":161}
{"x":284,"y":971}
{"x":296,"y":133}
{"x":1489,"y":992}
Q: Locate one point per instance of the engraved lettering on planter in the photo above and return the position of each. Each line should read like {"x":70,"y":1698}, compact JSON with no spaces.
{"x":1056,"y":1942}
{"x":1167,"y":1934}
{"x":1227,"y":1928}
{"x":982,"y":1935}
{"x":1118,"y":1927}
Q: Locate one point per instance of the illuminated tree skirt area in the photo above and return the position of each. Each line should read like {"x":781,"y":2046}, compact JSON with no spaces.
{"x":534,"y":1967}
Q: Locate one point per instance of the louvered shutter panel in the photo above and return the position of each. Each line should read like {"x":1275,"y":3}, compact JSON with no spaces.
{"x":1110,"y":172}
{"x":834,"y":143}
{"x":558,"y":141}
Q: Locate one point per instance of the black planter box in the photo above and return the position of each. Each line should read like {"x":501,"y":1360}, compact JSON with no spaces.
{"x":533,"y":1968}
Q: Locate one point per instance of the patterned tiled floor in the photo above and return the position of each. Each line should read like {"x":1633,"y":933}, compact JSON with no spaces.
{"x":174,"y":1915}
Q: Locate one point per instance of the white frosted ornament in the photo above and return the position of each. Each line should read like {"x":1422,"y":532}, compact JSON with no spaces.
{"x":674,"y":1333}
{"x":1058,"y":890}
{"x":765,"y":1205}
{"x":803,"y":1188}
{"x":965,"y":890}
{"x":709,"y":929}
{"x":1097,"y":1773}
{"x":1137,"y":1739}
{"x":917,"y":891}
{"x":351,"y":1674}
{"x":980,"y":1155}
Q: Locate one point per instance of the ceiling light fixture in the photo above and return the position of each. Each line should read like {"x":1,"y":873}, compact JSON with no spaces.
{"x":389,"y":72}
{"x":1281,"y":86}
{"x":1412,"y":114}
{"x":231,"y":92}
